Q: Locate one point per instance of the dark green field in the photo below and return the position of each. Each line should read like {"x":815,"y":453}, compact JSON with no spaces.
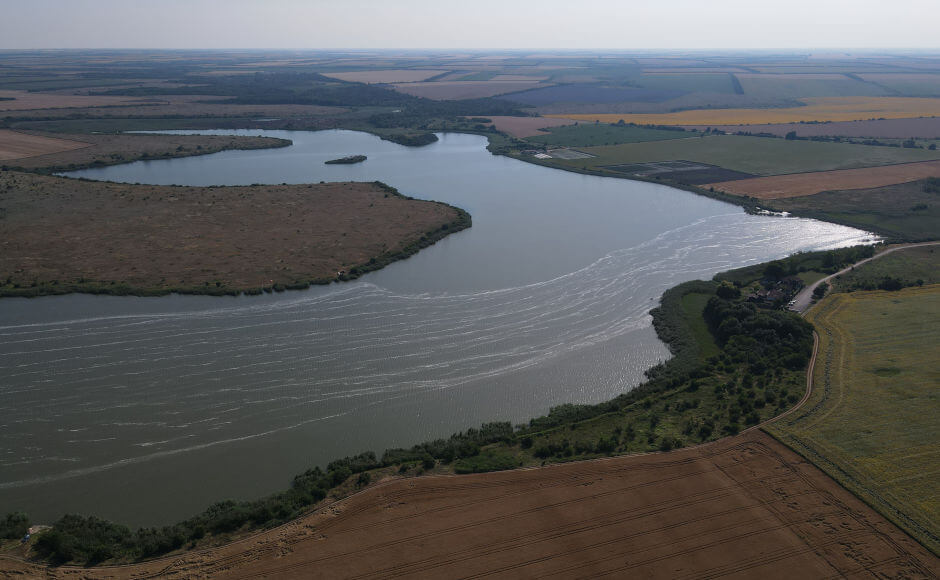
{"x":910,"y":267}
{"x":906,"y":211}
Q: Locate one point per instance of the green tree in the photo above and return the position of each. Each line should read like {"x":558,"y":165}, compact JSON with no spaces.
{"x":820,"y":290}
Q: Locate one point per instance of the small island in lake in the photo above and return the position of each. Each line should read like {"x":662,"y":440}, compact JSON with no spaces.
{"x":350,"y":159}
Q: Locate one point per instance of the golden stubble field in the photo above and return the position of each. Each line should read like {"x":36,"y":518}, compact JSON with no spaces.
{"x":800,"y":184}
{"x":17,"y":145}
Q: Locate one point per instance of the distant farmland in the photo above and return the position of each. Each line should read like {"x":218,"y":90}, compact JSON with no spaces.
{"x":817,"y":109}
{"x":526,"y":126}
{"x":15,"y":145}
{"x":799,"y":184}
{"x":920,"y":127}
{"x":456,"y":90}
{"x":592,"y":93}
{"x":386,"y":76}
{"x":757,"y":155}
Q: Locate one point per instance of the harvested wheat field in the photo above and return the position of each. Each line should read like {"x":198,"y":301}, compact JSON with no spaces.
{"x":16,"y":145}
{"x":817,"y":109}
{"x":526,"y":126}
{"x":800,"y":184}
{"x":742,"y":507}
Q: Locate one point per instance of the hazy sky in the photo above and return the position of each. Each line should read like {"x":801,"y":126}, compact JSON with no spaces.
{"x":589,"y":24}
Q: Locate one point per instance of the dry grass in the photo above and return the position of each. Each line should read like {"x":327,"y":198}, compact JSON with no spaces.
{"x":456,"y":90}
{"x":159,"y":238}
{"x":526,"y":126}
{"x":800,"y":184}
{"x":107,"y":149}
{"x":386,"y":76}
{"x":817,"y":109}
{"x":16,"y":145}
{"x":23,"y":100}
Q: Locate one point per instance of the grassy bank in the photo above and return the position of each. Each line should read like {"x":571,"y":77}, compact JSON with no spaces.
{"x":903,"y":212}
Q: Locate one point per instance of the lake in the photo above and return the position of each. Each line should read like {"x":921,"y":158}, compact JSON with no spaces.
{"x":146,"y":410}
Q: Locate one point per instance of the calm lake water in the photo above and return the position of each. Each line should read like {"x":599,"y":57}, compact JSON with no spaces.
{"x":146,"y":410}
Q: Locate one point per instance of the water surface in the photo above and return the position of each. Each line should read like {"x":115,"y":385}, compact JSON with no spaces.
{"x":145,"y":410}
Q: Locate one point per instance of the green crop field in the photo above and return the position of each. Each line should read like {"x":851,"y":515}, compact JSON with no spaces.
{"x":871,"y":422}
{"x":591,"y":134}
{"x":908,"y":266}
{"x":755,"y":155}
{"x":794,"y":86}
{"x":907,"y":211}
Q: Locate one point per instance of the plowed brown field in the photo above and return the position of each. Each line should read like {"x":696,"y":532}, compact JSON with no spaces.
{"x":743,"y":507}
{"x":800,"y":184}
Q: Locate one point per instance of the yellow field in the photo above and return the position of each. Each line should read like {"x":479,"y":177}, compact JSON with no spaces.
{"x":871,"y":422}
{"x":816,"y":109}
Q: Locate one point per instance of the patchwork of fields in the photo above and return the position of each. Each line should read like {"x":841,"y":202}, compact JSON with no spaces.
{"x":871,"y":421}
{"x":757,"y":155}
{"x":816,"y":110}
{"x":800,"y":184}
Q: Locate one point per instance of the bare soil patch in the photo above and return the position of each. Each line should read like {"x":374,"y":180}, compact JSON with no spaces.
{"x":16,"y":145}
{"x":801,"y":184}
{"x":26,"y":100}
{"x":106,"y":149}
{"x":745,"y":506}
{"x":921,"y":127}
{"x":527,"y":126}
{"x":456,"y":90}
{"x":59,"y":235}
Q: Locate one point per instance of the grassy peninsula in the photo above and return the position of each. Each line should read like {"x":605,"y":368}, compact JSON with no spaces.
{"x":63,"y":235}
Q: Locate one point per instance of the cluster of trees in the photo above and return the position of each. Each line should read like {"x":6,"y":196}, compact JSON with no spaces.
{"x":761,"y":339}
{"x":14,"y":526}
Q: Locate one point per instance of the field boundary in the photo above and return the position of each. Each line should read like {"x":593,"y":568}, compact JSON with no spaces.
{"x":843,"y":473}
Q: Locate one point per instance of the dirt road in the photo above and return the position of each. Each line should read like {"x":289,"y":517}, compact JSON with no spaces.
{"x":804,"y":299}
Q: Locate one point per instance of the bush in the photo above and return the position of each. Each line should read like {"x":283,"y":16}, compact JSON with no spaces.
{"x":14,"y":526}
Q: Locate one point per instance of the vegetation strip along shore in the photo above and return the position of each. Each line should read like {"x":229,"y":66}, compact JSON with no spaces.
{"x":720,"y":381}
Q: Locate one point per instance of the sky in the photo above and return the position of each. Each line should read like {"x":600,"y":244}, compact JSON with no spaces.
{"x":470,"y":24}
